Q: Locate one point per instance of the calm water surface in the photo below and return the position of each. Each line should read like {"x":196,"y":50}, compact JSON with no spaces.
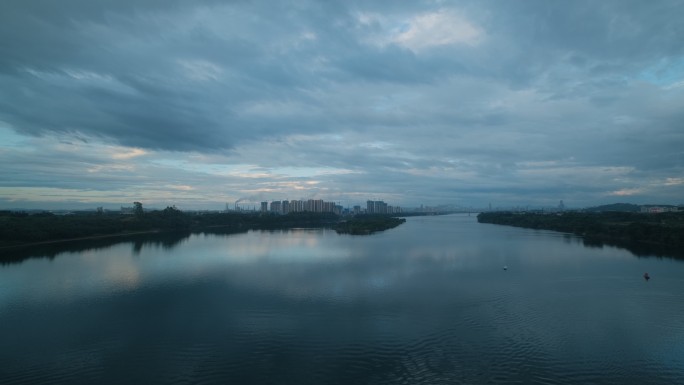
{"x":425,"y":303}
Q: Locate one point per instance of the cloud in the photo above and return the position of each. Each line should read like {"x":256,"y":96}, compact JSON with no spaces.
{"x":418,"y":101}
{"x":418,"y":32}
{"x":438,"y":29}
{"x":674,"y":181}
{"x":128,"y":153}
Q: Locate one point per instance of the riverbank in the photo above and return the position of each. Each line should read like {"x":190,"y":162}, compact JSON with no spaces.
{"x":20,"y":230}
{"x":664,"y":231}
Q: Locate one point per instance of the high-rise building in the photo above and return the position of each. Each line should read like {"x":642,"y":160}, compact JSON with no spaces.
{"x":376,"y":207}
{"x":321,"y":206}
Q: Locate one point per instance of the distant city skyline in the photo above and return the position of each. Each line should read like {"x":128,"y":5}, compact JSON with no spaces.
{"x":267,"y":206}
{"x":196,"y":104}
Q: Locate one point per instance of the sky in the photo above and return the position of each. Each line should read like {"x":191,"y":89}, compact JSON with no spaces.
{"x":467,"y":103}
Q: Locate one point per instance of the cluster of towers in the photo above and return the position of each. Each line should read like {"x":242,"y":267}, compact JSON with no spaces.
{"x":380,"y":207}
{"x":311,"y":205}
{"x":321,"y":206}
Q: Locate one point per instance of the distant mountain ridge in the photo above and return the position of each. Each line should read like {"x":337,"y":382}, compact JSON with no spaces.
{"x":620,"y":207}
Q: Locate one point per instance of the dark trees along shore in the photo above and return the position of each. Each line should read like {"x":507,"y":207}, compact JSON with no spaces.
{"x":662,"y":229}
{"x":18,"y":228}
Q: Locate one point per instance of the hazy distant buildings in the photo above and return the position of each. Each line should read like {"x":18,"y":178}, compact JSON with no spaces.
{"x":321,"y":206}
{"x":658,"y":209}
{"x":380,"y":207}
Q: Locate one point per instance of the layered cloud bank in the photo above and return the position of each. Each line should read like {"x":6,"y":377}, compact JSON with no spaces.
{"x":197,"y":103}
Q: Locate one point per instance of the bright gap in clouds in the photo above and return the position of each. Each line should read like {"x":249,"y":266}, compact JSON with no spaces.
{"x":438,"y":29}
{"x":443,"y":27}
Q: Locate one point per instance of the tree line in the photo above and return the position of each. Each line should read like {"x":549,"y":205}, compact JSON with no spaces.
{"x":21,"y":228}
{"x":663,"y":229}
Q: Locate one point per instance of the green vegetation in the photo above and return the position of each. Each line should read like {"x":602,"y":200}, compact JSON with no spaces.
{"x":368,"y":224}
{"x":21,"y":228}
{"x":619,"y":228}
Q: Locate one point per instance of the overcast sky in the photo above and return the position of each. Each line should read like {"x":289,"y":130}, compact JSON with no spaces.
{"x":199,"y":103}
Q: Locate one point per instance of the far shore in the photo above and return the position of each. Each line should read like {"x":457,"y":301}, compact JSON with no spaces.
{"x":179,"y":222}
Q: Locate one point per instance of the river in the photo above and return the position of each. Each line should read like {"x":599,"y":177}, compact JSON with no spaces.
{"x":428,"y":302}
